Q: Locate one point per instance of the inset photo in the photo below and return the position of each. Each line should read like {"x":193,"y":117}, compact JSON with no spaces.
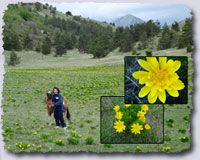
{"x":156,"y":80}
{"x":130,"y":123}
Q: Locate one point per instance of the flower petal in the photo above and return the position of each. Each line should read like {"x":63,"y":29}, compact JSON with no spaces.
{"x":153,"y":62}
{"x":153,"y":91}
{"x":178,"y":85}
{"x":163,"y":62}
{"x":172,"y":92}
{"x":139,"y":74}
{"x":162,"y":96}
{"x":144,"y":65}
{"x":177,"y":65}
{"x":144,"y":91}
{"x":152,"y":99}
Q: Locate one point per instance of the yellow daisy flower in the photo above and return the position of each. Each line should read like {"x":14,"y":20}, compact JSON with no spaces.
{"x":127,"y":105}
{"x":147,"y":127}
{"x":144,"y":107}
{"x":116,"y":108}
{"x":158,"y":77}
{"x":119,"y":126}
{"x":143,"y":119}
{"x":141,"y":114}
{"x":118,"y":115}
{"x":136,"y":128}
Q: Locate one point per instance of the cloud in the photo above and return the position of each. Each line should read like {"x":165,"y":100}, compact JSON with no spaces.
{"x":110,"y":11}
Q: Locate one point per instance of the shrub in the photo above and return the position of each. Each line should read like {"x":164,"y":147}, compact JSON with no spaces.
{"x":73,"y":140}
{"x":88,"y":120}
{"x":138,"y":149}
{"x":184,"y":139}
{"x":108,"y":145}
{"x":189,"y":48}
{"x":134,"y":52}
{"x":148,"y":53}
{"x":181,"y":130}
{"x":92,"y":127}
{"x":14,"y":59}
{"x":59,"y":142}
{"x":167,"y":138}
{"x":89,"y":140}
{"x":26,"y":15}
{"x":166,"y":149}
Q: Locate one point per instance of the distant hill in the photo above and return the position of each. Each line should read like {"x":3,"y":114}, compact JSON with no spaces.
{"x":127,"y":21}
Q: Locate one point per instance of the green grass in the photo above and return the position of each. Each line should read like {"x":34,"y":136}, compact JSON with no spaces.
{"x":154,"y":118}
{"x":82,"y":80}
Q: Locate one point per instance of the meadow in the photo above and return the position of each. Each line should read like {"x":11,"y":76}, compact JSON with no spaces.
{"x":82,"y":80}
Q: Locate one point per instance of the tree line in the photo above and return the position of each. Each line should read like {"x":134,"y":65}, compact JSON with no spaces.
{"x":53,"y":33}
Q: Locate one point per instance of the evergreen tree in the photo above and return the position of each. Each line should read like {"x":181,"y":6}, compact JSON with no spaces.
{"x":11,"y":40}
{"x":28,"y":43}
{"x":165,"y":39}
{"x":68,"y":13}
{"x":46,"y":46}
{"x":187,"y":32}
{"x":60,"y":44}
{"x":143,"y":39}
{"x":14,"y":59}
{"x":175,"y":27}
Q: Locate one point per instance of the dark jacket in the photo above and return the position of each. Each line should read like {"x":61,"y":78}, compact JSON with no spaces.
{"x":58,"y":102}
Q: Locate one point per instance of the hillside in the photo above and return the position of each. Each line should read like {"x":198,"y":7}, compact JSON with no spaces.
{"x":27,"y":25}
{"x":127,"y":21}
{"x":41,"y":28}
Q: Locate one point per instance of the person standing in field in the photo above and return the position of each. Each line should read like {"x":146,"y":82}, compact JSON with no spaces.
{"x":59,"y":108}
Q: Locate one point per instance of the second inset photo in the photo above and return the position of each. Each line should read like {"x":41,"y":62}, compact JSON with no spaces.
{"x":159,"y":80}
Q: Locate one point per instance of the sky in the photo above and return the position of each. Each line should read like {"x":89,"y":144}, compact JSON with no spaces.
{"x":111,"y":11}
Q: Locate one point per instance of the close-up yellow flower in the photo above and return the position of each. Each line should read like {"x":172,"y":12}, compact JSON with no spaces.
{"x":127,"y":105}
{"x":118,"y":115}
{"x":144,"y":107}
{"x":159,"y":77}
{"x":147,"y":126}
{"x":136,"y":128}
{"x":116,"y":108}
{"x":119,"y":126}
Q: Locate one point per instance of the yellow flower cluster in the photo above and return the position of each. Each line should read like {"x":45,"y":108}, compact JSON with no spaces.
{"x":136,"y":128}
{"x":119,"y":125}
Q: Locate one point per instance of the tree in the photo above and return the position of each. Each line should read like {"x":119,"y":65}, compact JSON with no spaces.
{"x":187,"y":32}
{"x":28,"y":42}
{"x":26,"y":15}
{"x":68,"y":13}
{"x":14,"y":59}
{"x":38,"y":48}
{"x":175,"y":27}
{"x":11,"y":40}
{"x":143,"y":39}
{"x":46,"y":46}
{"x":38,"y":6}
{"x":60,"y":44}
{"x":166,"y":38}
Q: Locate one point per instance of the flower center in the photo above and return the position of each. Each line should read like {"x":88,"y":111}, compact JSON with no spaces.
{"x":160,"y":77}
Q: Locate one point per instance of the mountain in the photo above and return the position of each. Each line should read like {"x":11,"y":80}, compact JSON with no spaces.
{"x":127,"y":20}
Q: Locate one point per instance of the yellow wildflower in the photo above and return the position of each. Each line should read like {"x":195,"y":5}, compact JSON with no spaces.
{"x":136,"y":128}
{"x":159,"y":77}
{"x":119,"y":126}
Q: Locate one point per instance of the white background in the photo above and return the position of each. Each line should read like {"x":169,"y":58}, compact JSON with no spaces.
{"x":192,"y":154}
